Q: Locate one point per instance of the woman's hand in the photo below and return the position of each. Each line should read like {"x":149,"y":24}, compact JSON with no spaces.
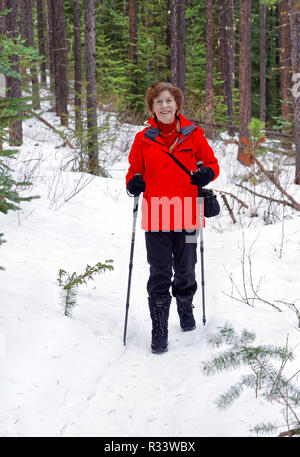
{"x":202,"y":177}
{"x":136,"y":185}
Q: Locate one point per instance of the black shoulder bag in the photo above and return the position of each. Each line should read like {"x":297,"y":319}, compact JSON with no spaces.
{"x":211,"y":204}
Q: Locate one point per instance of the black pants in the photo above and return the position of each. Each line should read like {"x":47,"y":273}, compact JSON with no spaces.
{"x":168,"y":251}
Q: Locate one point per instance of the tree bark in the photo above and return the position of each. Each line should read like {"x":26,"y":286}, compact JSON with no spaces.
{"x":60,"y":60}
{"x":226,"y":59}
{"x":285,"y":60}
{"x":133,"y":56}
{"x":2,"y":18}
{"x":173,"y":39}
{"x":244,"y":79}
{"x":77,"y":65}
{"x":262,"y":57}
{"x":49,"y":16}
{"x":41,"y":39}
{"x":13,"y":85}
{"x":180,"y":45}
{"x":295,"y":59}
{"x":209,"y":111}
{"x":30,"y":42}
{"x":91,"y":99}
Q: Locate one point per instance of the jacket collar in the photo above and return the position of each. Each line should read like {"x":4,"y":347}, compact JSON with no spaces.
{"x":186,"y":127}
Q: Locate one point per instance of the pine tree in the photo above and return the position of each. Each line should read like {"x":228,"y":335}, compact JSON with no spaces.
{"x":13,"y":85}
{"x":77,"y":65}
{"x":244,"y":78}
{"x":262,"y":56}
{"x":285,"y":60}
{"x":209,"y":117}
{"x":295,"y":59}
{"x":227,"y":57}
{"x":60,"y":60}
{"x":180,"y":47}
{"x":41,"y":38}
{"x":30,"y":42}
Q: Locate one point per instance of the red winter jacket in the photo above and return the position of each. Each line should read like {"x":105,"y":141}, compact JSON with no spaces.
{"x":170,"y":200}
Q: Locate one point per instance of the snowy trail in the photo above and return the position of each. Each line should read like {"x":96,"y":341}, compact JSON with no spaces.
{"x":72,"y":376}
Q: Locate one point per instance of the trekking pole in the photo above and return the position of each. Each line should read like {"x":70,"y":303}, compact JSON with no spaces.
{"x":199,"y":165}
{"x":135,"y":212}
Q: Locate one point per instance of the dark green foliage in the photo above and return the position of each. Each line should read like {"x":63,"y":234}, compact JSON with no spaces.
{"x":69,"y":283}
{"x":264,"y":377}
{"x":9,"y":196}
{"x":122,"y":83}
{"x":11,"y":109}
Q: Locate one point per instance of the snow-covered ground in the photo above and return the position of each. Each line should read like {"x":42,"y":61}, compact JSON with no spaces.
{"x":64,"y":376}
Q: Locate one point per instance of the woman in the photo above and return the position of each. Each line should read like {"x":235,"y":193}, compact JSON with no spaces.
{"x":169,"y":207}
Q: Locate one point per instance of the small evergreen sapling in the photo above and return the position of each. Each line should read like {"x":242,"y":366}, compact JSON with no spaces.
{"x":264,"y":378}
{"x":69,"y":283}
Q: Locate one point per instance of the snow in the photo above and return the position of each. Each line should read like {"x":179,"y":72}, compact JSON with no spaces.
{"x":70,"y":377}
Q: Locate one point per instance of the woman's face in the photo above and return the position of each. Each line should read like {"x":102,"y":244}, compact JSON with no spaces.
{"x":164,"y":106}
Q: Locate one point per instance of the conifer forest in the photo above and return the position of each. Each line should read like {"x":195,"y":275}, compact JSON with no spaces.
{"x":73,"y":79}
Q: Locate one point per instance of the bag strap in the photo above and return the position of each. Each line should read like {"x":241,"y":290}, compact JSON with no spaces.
{"x":201,"y":192}
{"x":176,"y":160}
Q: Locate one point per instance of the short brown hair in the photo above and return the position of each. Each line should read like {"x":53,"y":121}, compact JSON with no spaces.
{"x":154,"y":91}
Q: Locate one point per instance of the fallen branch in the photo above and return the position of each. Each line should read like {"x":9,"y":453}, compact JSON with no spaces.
{"x":282,"y":202}
{"x":51,"y":127}
{"x":233,"y":196}
{"x":294,"y":431}
{"x":229,"y":208}
{"x":277,"y":184}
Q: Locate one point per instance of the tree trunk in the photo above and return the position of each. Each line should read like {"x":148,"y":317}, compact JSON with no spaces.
{"x":13,"y":85}
{"x":173,"y":39}
{"x":295,"y":59}
{"x":180,"y":45}
{"x":91,"y":99}
{"x":77,"y":65}
{"x":50,"y":15}
{"x":2,"y":18}
{"x":133,"y":31}
{"x":209,"y":98}
{"x":2,"y":77}
{"x":285,"y":60}
{"x":244,"y":81}
{"x":225,"y":60}
{"x":60,"y":60}
{"x":262,"y":56}
{"x":41,"y":39}
{"x":30,"y":42}
{"x":231,"y":41}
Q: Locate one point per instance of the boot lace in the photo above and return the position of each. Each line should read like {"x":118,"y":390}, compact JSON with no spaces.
{"x":160,"y":320}
{"x":185,"y":307}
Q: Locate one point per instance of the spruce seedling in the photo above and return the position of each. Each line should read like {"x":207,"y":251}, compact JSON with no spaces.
{"x":264,"y":377}
{"x":69,"y":283}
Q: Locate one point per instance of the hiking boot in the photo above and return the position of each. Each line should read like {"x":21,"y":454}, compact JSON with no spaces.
{"x":185,"y":311}
{"x":159,"y":306}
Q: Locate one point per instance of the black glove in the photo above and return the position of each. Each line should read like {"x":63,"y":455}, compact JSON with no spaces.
{"x":136,"y":185}
{"x":202,"y":176}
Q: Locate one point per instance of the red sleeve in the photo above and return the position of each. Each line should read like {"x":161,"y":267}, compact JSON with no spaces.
{"x":206,"y":154}
{"x":135,"y":158}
